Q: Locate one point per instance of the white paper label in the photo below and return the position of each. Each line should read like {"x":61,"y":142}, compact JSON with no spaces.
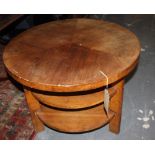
{"x":106,"y":99}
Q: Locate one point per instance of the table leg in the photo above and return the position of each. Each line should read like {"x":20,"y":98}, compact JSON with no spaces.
{"x":116,"y":107}
{"x":34,"y":105}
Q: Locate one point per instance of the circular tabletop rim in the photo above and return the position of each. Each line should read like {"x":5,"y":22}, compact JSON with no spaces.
{"x":71,"y":88}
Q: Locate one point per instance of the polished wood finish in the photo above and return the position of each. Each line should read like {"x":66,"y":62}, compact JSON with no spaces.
{"x":68,"y":55}
{"x":34,"y":106}
{"x":60,"y":65}
{"x":73,"y":100}
{"x":116,"y":107}
{"x":74,"y":121}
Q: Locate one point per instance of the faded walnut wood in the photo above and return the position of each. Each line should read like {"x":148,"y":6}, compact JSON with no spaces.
{"x":68,"y":55}
{"x":116,"y":107}
{"x":60,"y":64}
{"x":34,"y":106}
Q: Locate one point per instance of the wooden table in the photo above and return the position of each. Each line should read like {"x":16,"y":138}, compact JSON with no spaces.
{"x":63,"y":65}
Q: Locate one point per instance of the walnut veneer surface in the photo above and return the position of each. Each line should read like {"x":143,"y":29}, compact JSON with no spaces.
{"x":68,"y":56}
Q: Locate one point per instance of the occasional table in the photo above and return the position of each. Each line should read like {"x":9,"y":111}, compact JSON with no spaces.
{"x":65,"y":67}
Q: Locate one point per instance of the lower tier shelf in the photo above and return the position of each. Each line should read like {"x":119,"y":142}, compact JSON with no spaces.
{"x":74,"y":121}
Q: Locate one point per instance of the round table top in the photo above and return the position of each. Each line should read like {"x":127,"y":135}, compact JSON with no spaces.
{"x":72,"y":55}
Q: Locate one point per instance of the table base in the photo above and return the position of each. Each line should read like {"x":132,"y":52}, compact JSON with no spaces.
{"x":81,"y":112}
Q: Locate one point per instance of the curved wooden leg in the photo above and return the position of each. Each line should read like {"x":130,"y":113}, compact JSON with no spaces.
{"x":34,"y":105}
{"x":116,"y":107}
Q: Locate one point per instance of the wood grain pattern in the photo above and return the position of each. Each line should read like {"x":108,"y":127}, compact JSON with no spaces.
{"x":60,"y":62}
{"x":74,"y":121}
{"x":68,"y":55}
{"x":73,"y":100}
{"x":34,"y":106}
{"x":116,"y":107}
